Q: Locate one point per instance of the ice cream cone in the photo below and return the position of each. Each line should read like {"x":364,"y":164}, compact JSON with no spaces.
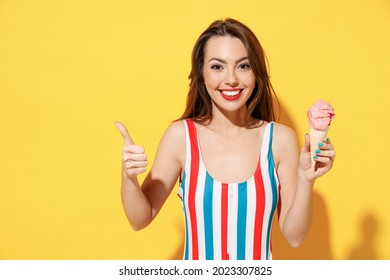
{"x":316,"y":136}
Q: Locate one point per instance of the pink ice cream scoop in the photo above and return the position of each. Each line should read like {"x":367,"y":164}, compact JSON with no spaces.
{"x":320,"y":115}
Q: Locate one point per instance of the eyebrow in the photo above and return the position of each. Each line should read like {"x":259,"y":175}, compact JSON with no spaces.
{"x":224,"y":61}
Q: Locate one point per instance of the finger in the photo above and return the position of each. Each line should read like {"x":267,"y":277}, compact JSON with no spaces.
{"x":325,"y":160}
{"x":125,"y":134}
{"x":134,"y":157}
{"x":306,"y":146}
{"x":133,"y":149}
{"x":325,"y":153}
{"x":135,"y":164}
{"x":325,"y":146}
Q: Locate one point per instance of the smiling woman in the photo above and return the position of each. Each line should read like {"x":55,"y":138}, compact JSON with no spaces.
{"x":236,"y":165}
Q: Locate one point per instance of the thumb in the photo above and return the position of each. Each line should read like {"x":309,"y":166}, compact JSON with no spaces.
{"x":125,"y":134}
{"x":306,"y":146}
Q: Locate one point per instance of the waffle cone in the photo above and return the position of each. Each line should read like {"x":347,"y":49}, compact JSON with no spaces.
{"x":316,"y":136}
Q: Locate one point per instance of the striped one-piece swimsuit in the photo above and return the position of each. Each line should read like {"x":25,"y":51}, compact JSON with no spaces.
{"x":228,"y":221}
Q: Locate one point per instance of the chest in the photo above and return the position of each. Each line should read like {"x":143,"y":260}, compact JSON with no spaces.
{"x":230,"y":159}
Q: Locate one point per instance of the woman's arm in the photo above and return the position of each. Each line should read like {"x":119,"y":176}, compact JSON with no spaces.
{"x":297,"y":177}
{"x":142,"y":203}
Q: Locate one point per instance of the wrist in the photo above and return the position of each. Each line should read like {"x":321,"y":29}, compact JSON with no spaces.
{"x":126,"y":178}
{"x":305,"y":178}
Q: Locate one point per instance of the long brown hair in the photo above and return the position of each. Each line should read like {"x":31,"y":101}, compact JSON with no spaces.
{"x":260,"y":104}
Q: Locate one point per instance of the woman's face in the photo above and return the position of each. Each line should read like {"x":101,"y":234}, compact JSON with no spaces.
{"x":228,"y":76}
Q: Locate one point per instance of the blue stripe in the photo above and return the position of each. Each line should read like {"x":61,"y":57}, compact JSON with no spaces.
{"x":271,"y":170}
{"x":183,"y":184}
{"x":241,"y":220}
{"x":208,"y":216}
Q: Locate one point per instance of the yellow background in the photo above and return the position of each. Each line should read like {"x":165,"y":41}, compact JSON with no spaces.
{"x":70,"y":69}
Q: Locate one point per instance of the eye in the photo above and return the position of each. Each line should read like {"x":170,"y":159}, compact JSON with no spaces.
{"x":244,"y":66}
{"x":216,"y":67}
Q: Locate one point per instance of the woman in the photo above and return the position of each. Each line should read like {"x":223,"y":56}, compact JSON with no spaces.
{"x":236,"y":166}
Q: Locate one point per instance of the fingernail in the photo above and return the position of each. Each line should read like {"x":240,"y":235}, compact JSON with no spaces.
{"x":315,"y":156}
{"x":318,"y":151}
{"x":320,"y":145}
{"x":326,"y":139}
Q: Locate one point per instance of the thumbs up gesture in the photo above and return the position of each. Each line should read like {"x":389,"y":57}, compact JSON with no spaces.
{"x":133,"y":157}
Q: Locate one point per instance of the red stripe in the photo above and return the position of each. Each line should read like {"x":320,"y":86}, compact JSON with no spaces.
{"x":280,"y":202}
{"x":192,"y":187}
{"x":224,"y":221}
{"x":260,"y":205}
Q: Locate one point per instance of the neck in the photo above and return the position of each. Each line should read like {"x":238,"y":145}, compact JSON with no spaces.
{"x":230,"y":122}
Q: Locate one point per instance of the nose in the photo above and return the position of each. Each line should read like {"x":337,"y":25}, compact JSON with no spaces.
{"x":231,"y":78}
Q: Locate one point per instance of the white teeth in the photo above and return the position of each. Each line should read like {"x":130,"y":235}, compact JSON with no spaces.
{"x":231,"y":93}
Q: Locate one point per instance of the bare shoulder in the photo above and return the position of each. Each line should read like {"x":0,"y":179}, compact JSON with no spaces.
{"x":283,"y":133}
{"x":173,"y":141}
{"x":175,"y":132}
{"x":284,"y":141}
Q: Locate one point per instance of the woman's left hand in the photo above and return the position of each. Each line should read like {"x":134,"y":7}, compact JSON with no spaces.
{"x":324,"y":159}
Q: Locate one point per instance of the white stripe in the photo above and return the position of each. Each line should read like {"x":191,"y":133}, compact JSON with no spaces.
{"x":233,"y":212}
{"x":200,"y":210}
{"x":217,"y":192}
